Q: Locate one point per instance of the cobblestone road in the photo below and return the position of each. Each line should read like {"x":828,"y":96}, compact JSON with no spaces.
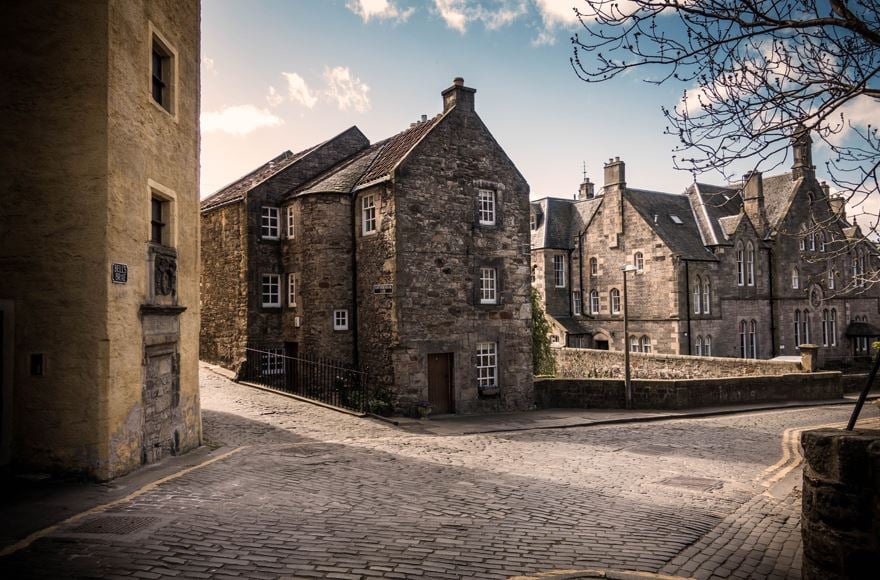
{"x":314,"y":493}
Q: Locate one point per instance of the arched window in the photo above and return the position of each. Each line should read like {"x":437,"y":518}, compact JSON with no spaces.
{"x":697,"y":296}
{"x":802,"y":239}
{"x":750,"y":264}
{"x":645,"y":344}
{"x":795,"y":278}
{"x":743,"y":339}
{"x":812,"y":241}
{"x":633,"y":344}
{"x":615,"y":301}
{"x":639,"y":261}
{"x":797,"y":329}
{"x":594,"y":302}
{"x":831,"y":274}
{"x":822,"y":244}
{"x":740,"y":265}
{"x":833,"y":327}
{"x":826,"y":321}
{"x":707,"y":345}
{"x":707,"y":297}
{"x":699,"y":345}
{"x":753,"y":339}
{"x":806,"y":329}
{"x":594,"y":267}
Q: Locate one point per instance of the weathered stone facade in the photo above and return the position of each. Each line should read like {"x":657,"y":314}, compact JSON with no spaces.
{"x":723,"y":271}
{"x":98,"y":240}
{"x":393,"y":235}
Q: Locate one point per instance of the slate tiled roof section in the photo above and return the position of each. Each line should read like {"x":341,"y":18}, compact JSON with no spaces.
{"x":573,"y":325}
{"x":729,"y":224}
{"x":711,"y":203}
{"x":235,"y":191}
{"x":779,"y":192}
{"x":683,"y":239}
{"x":395,"y":149}
{"x":561,"y":220}
{"x":342,"y":178}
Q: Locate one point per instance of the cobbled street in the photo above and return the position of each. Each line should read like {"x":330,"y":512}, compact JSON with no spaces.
{"x":309,"y":492}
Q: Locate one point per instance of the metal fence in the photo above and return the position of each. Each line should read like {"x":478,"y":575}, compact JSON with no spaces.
{"x":316,"y":378}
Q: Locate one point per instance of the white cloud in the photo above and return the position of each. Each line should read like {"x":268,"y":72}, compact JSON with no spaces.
{"x":379,"y":9}
{"x":298,"y":91}
{"x":495,"y":14}
{"x":208,"y":66}
{"x":348,"y":91}
{"x":273,"y":97}
{"x":239,"y":120}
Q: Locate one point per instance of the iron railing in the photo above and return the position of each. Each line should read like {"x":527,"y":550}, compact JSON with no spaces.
{"x":316,"y":378}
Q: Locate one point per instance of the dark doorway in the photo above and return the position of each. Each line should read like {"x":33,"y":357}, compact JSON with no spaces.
{"x":440,"y":383}
{"x":601,"y":345}
{"x":291,"y":372}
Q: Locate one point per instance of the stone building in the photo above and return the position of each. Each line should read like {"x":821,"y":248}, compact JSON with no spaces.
{"x":99,"y":234}
{"x":752,"y":269}
{"x":408,"y":258}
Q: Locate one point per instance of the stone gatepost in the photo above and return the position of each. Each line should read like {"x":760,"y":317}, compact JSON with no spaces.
{"x":841,"y":504}
{"x":809,"y":357}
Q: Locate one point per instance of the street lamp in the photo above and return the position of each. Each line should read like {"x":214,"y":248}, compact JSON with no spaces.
{"x":627,"y":380}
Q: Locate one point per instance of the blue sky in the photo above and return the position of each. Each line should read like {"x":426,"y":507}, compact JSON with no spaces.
{"x":287,"y":74}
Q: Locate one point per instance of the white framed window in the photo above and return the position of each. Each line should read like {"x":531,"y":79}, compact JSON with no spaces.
{"x":862,"y":280}
{"x":707,"y":345}
{"x":806,"y":327}
{"x":753,"y":339}
{"x":615,"y":301}
{"x":823,"y":245}
{"x":699,"y":346}
{"x":594,"y":302}
{"x":798,"y":337}
{"x":576,"y":302}
{"x":833,"y":327}
{"x":826,"y":321}
{"x":559,"y":270}
{"x":533,"y":221}
{"x":645,"y":344}
{"x":487,"y":364}
{"x":272,"y":361}
{"x":368,"y":214}
{"x":831,"y":274}
{"x":486,"y":198}
{"x":291,"y":289}
{"x":633,"y":344}
{"x":743,"y":339}
{"x":795,"y":278}
{"x":271,"y":290}
{"x":639,"y":261}
{"x":340,"y":320}
{"x":698,"y":293}
{"x":740,"y":266}
{"x":812,"y":240}
{"x":269,"y":223}
{"x":594,"y":267}
{"x":488,"y":286}
{"x":291,"y":222}
{"x":707,"y":296}
{"x":802,"y":239}
{"x":750,"y":263}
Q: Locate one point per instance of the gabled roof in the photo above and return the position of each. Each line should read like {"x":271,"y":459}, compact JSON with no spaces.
{"x":561,"y":220}
{"x":712,"y":203}
{"x":657,"y":209}
{"x":729,"y":224}
{"x":344,"y":176}
{"x":235,"y":191}
{"x":395,"y":149}
{"x":779,"y":193}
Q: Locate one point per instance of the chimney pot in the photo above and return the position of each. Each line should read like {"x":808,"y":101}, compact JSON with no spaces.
{"x":458,"y":96}
{"x":424,"y":118}
{"x":458,"y":81}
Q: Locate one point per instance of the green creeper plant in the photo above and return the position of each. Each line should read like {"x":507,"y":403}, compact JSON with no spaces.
{"x":543,"y":362}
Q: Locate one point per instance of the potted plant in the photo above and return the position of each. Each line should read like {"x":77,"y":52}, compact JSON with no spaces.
{"x":424,"y":409}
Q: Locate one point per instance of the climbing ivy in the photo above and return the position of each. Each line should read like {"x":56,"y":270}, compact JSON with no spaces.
{"x":543,"y":362}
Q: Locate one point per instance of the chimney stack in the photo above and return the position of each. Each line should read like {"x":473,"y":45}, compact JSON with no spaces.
{"x":459,"y":96}
{"x":838,"y":206}
{"x":615,"y":173}
{"x":753,"y":200}
{"x":802,"y":151}
{"x":613,"y":190}
{"x":587,"y":190}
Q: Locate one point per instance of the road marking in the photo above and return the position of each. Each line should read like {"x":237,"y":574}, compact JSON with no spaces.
{"x":21,"y":544}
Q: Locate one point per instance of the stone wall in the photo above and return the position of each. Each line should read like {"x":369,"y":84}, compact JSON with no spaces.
{"x":589,"y":363}
{"x":841,"y":504}
{"x":686,"y":393}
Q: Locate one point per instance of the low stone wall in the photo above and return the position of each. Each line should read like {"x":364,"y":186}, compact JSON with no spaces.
{"x":841,"y":504}
{"x":608,"y":364}
{"x":686,"y":393}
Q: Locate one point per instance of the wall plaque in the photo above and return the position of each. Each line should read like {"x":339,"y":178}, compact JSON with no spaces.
{"x":119,"y":273}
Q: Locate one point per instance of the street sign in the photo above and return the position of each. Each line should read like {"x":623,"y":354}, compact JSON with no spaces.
{"x":120,"y":273}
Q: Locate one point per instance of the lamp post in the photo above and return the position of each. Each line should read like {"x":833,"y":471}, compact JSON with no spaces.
{"x":627,"y":380}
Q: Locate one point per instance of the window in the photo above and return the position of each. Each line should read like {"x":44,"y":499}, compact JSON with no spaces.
{"x":707,"y":346}
{"x":559,"y":270}
{"x":675,"y":219}
{"x":162,"y":74}
{"x":806,"y":327}
{"x":861,"y":279}
{"x":740,"y":266}
{"x":707,"y":297}
{"x":533,"y":221}
{"x":812,"y":241}
{"x":743,"y":340}
{"x":340,"y":320}
{"x":822,"y":243}
{"x":594,"y":302}
{"x":831,"y":275}
{"x":291,"y":222}
{"x":750,"y":262}
{"x":488,"y":286}
{"x":699,"y":346}
{"x":639,"y":261}
{"x":269,"y":223}
{"x":615,"y":301}
{"x":633,"y":344}
{"x":534,"y":274}
{"x":795,"y":278}
{"x":645,"y":344}
{"x":576,"y":302}
{"x":368,"y":214}
{"x":271,"y":290}
{"x":826,"y":321}
{"x":802,"y":241}
{"x":797,"y":329}
{"x":594,"y":267}
{"x":291,"y":290}
{"x":753,"y":339}
{"x":487,"y":207}
{"x":698,"y":292}
{"x":272,"y":361}
{"x":487,"y":364}
{"x":159,"y":209}
{"x":833,"y":327}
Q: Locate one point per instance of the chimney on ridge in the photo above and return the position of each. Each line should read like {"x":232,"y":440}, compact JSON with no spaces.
{"x":802,"y":150}
{"x":753,"y":200}
{"x":459,"y":96}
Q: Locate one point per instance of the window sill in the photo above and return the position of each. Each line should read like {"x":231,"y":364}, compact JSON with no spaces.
{"x":269,"y":239}
{"x":270,"y":306}
{"x":489,"y":391}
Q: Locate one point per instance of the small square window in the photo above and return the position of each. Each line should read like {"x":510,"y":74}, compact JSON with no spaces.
{"x":340,"y":320}
{"x":487,"y":207}
{"x":269,"y":223}
{"x":271,"y":290}
{"x":368,"y":214}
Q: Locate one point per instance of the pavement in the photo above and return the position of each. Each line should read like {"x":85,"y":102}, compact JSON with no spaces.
{"x":285,"y":489}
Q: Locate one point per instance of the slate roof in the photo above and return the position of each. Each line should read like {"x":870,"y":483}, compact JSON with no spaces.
{"x":862,"y":329}
{"x":343,"y":177}
{"x":235,"y":191}
{"x":561,"y":220}
{"x":711,"y":204}
{"x":779,"y":192}
{"x":656,"y":209}
{"x":573,"y":325}
{"x":396,"y":148}
{"x":729,"y":224}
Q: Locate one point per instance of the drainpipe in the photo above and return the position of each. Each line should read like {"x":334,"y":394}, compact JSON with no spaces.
{"x":772,"y":314}
{"x":581,"y":267}
{"x":687,"y":303}
{"x":354,"y":282}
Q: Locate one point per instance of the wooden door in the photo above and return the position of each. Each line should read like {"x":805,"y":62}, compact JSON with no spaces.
{"x":440,"y":383}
